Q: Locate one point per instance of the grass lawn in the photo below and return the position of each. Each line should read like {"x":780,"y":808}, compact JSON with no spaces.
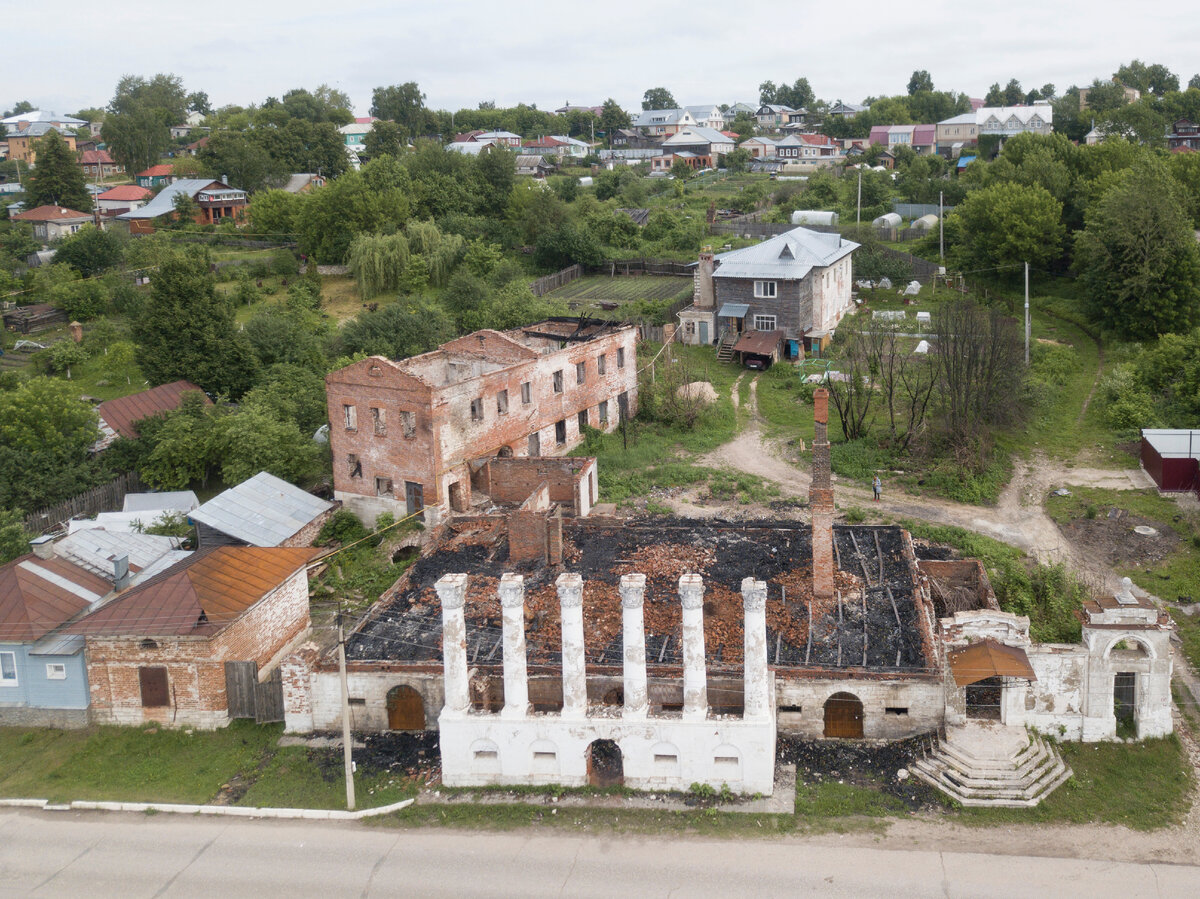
{"x":1176,"y":577}
{"x":294,"y":777}
{"x":339,"y":297}
{"x":1188,"y":629}
{"x":125,"y":763}
{"x":1142,"y":786}
{"x":829,"y":799}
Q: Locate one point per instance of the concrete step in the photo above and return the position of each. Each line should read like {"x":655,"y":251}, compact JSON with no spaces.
{"x":1015,"y":769}
{"x":1032,"y":750}
{"x":1026,"y":788}
{"x":1033,"y":773}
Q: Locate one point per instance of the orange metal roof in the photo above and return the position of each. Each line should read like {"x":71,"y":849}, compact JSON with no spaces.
{"x":123,"y":413}
{"x":759,"y":343}
{"x":200,"y":595}
{"x":35,"y":597}
{"x":989,"y":658}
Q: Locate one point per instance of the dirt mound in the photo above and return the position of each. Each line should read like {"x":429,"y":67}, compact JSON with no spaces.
{"x":700,"y":391}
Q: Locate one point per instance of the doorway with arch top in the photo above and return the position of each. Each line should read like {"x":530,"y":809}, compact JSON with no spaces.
{"x":844,"y":716}
{"x":405,"y":709}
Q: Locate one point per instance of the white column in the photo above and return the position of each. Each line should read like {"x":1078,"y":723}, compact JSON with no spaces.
{"x":574,"y":670}
{"x":452,"y":593}
{"x":516,"y":684}
{"x":754,"y":657}
{"x":695,"y":677}
{"x":633,"y":631}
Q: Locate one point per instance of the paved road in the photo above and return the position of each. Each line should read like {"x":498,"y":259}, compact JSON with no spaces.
{"x":98,"y":855}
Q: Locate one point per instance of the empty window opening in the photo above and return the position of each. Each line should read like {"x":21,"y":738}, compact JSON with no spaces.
{"x":984,"y":698}
{"x":1124,"y":696}
{"x":895,"y":710}
{"x":545,"y":756}
{"x":725,"y":760}
{"x":147,"y":644}
{"x":558,"y":382}
{"x":792,"y":709}
{"x":605,"y":764}
{"x":408,"y":424}
{"x":353,"y":465}
{"x":620,"y":357}
{"x":379,"y":419}
{"x":502,"y":402}
{"x":383,"y":486}
{"x":486,"y":754}
{"x":582,"y":418}
{"x":357,"y":700}
{"x":664,"y":759}
{"x":560,"y":432}
{"x":580,"y":372}
{"x":477,"y":409}
{"x":535,"y":444}
{"x":603,"y":410}
{"x":601,"y":364}
{"x":350,"y":417}
{"x":527,"y":393}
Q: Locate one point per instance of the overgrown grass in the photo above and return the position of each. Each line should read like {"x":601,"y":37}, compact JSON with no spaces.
{"x":295,"y":778}
{"x":1142,"y":786}
{"x":1177,"y":577}
{"x":1188,"y":630}
{"x":829,"y":800}
{"x":146,"y":764}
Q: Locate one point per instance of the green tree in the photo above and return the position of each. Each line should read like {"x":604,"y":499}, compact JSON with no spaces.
{"x":384,"y":139}
{"x":1013,"y":93}
{"x":57,"y":179}
{"x":286,"y":336}
{"x":1194,"y":82}
{"x":658,"y":98}
{"x":1154,"y":79}
{"x":333,"y":215}
{"x":183,"y":445}
{"x":253,"y":440}
{"x":91,"y":251}
{"x":403,"y":104}
{"x":290,"y":393}
{"x":19,"y":107}
{"x":994,"y":95}
{"x":399,"y":330}
{"x":681,"y":171}
{"x":188,"y":332}
{"x":737,"y":161}
{"x":1138,"y":258}
{"x":14,"y":541}
{"x":564,"y":245}
{"x":1007,"y":224}
{"x":377,"y":261}
{"x":137,"y":127}
{"x":612,"y":118}
{"x":274,"y":212}
{"x":242,"y":159}
{"x":197,"y":101}
{"x":920,"y":81}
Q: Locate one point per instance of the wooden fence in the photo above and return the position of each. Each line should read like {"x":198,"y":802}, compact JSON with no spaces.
{"x":543,"y":286}
{"x":642,"y":267}
{"x":108,"y":497}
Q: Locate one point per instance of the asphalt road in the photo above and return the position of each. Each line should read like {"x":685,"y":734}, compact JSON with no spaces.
{"x":97,"y":855}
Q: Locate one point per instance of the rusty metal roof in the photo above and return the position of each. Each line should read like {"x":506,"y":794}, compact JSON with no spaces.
{"x":759,"y":343}
{"x":121,"y":414}
{"x":199,"y":596}
{"x":989,"y":658}
{"x":37,"y":595}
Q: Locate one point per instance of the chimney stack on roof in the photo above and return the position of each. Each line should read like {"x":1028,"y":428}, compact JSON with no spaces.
{"x":43,"y":546}
{"x":820,"y":499}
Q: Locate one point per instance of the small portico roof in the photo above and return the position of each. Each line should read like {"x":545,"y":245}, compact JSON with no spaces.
{"x":989,"y":658}
{"x":733,"y":310}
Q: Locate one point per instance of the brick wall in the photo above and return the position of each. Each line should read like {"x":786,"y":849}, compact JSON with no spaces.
{"x":821,"y":498}
{"x":567,"y":479}
{"x":195,"y":665}
{"x":307,"y":534}
{"x":527,"y":527}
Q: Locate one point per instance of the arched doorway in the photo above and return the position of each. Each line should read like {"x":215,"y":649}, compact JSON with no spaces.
{"x":985,"y":699}
{"x":844,"y":716}
{"x":405,"y":709}
{"x":605,"y":764}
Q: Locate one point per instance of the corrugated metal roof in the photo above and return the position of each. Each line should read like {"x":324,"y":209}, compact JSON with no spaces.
{"x":174,"y":500}
{"x":164,"y":202}
{"x":759,"y":343}
{"x":38,"y":595}
{"x":696,"y":134}
{"x":787,"y":256}
{"x":989,"y":658}
{"x":41,"y":115}
{"x":967,"y":118}
{"x":124,"y":412}
{"x":197,"y":597}
{"x":262,"y":511}
{"x":95,"y":549}
{"x":733,"y":310}
{"x":57,"y":645}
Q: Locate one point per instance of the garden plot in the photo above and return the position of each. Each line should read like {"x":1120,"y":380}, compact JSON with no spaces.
{"x":599,"y":294}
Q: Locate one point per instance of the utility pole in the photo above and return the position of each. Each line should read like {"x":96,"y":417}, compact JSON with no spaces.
{"x":858,"y":214}
{"x":346,"y":754}
{"x":1026,"y":313}
{"x":941,"y":231}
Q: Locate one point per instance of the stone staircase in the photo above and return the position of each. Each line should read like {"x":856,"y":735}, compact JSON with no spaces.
{"x":988,"y":764}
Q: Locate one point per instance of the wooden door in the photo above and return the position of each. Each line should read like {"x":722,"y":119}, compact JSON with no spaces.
{"x":405,"y":709}
{"x":844,"y":716}
{"x":155,"y":687}
{"x":414,"y":495}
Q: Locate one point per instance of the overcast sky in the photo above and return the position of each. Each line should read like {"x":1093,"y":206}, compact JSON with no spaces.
{"x":69,"y":55}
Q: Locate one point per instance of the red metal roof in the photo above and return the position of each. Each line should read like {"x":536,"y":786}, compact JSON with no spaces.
{"x":50,"y":214}
{"x":122,"y":414}
{"x":989,"y":658}
{"x":92,"y":157}
{"x":156,"y":171}
{"x":35,"y":597}
{"x":199,"y":596}
{"x":126,"y":192}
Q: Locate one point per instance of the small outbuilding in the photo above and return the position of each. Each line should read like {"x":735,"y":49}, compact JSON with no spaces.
{"x":1171,"y":456}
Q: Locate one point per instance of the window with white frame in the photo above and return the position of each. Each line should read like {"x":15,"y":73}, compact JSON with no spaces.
{"x":764,"y":323}
{"x":8,"y":669}
{"x":765,"y":289}
{"x":56,"y":671}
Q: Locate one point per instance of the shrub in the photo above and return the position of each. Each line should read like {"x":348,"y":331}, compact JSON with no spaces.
{"x":342,"y":527}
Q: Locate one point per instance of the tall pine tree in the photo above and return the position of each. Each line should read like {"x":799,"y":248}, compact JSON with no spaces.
{"x":57,"y":179}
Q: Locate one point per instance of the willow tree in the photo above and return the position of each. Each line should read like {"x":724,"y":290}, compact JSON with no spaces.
{"x":378,"y":261}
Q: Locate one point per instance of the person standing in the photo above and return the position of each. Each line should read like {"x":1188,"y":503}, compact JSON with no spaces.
{"x":877,"y":487}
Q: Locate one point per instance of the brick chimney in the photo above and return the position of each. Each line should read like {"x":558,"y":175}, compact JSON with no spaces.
{"x":703,"y":294}
{"x":820,"y":499}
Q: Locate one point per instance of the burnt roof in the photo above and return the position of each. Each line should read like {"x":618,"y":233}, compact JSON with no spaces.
{"x":876,"y":582}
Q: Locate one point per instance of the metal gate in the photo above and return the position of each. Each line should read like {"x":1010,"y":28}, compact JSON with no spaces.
{"x":985,"y":699}
{"x":1124,"y":695}
{"x":844,"y":716}
{"x":247,"y":698}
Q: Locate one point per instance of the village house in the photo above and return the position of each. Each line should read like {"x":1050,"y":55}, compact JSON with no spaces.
{"x":215,"y":202}
{"x":1006,"y":121}
{"x":24,"y":134}
{"x":119,"y":417}
{"x":627,"y":138}
{"x":533,"y":166}
{"x":707,"y":116}
{"x":773,"y":116}
{"x":198,"y":643}
{"x":700,"y":142}
{"x":1184,"y":135}
{"x":662,"y":122}
{"x":846,"y":110}
{"x":98,"y":164}
{"x":500,"y":138}
{"x":261,"y":511}
{"x":155,"y":176}
{"x":798,"y":282}
{"x":51,"y":223}
{"x":303,"y":183}
{"x":956,"y":133}
{"x":407,"y":434}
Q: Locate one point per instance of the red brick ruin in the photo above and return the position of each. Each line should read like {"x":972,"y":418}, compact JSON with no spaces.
{"x":820,"y":499}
